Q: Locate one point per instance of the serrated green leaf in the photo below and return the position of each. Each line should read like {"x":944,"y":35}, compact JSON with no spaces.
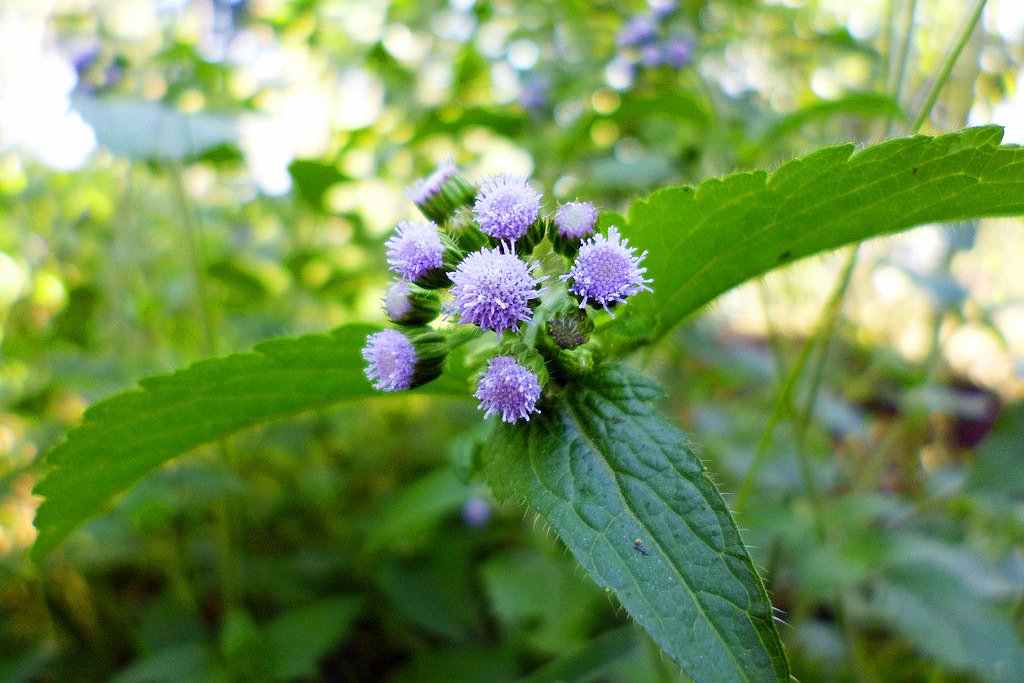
{"x":603,"y":468}
{"x":125,"y":436}
{"x":706,"y":241}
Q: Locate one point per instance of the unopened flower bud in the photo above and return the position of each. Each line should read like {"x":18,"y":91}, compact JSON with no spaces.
{"x":442,"y":192}
{"x":409,"y":305}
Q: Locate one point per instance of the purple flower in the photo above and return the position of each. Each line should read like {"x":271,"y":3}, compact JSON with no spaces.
{"x":415,"y":250}
{"x":606,"y":271}
{"x":677,"y":51}
{"x":493,"y":288}
{"x":576,"y":220}
{"x":476,"y":512}
{"x":638,"y":30}
{"x":424,"y":189}
{"x":508,"y":388}
{"x":391,"y":360}
{"x":396,"y":301}
{"x":506,"y":206}
{"x":650,"y":55}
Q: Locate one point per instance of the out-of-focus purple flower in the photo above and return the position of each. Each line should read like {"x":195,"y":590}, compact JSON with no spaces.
{"x":415,"y":250}
{"x":391,"y":360}
{"x":506,"y":206}
{"x":576,"y":220}
{"x":606,"y":271}
{"x":508,"y":388}
{"x":476,"y":512}
{"x":650,"y":55}
{"x":534,"y":94}
{"x":493,"y":288}
{"x":678,"y":51}
{"x":638,"y":30}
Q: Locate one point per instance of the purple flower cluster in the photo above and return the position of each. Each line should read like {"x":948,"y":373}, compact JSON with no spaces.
{"x":478,"y":245}
{"x":651,"y":41}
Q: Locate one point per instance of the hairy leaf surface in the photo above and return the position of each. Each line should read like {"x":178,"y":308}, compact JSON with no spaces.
{"x":129,"y":434}
{"x":604,"y":469}
{"x":706,"y":241}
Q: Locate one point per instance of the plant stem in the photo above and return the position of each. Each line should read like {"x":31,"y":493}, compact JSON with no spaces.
{"x":784,"y":404}
{"x":901,"y":65}
{"x":947,"y":68}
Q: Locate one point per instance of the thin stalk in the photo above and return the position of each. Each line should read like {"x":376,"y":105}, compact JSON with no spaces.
{"x":784,"y":404}
{"x":230,"y":572}
{"x":827,"y":332}
{"x":901,"y":65}
{"x":197,"y":252}
{"x":947,"y":68}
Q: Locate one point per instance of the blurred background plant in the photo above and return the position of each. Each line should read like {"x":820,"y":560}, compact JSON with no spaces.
{"x":184,"y":178}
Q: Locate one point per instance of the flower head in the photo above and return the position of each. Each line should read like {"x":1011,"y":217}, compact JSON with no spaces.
{"x":606,"y":271}
{"x":404,"y":360}
{"x":576,"y":220}
{"x":415,"y":250}
{"x":493,"y":288}
{"x":678,"y":51}
{"x":391,"y":360}
{"x":508,"y":388}
{"x":638,"y":30}
{"x":506,"y":206}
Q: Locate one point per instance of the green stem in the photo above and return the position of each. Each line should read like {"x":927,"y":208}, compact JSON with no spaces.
{"x":826,"y":333}
{"x":784,"y":404}
{"x":947,"y":68}
{"x":908,"y":37}
{"x":197,"y":251}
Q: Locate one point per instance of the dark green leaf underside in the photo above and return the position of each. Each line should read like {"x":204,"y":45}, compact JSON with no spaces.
{"x":703,"y":242}
{"x":127,"y":435}
{"x":603,"y":468}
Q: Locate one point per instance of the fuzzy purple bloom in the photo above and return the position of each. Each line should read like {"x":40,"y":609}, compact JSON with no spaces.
{"x":606,"y":271}
{"x":415,"y":250}
{"x":508,"y":388}
{"x":576,"y":220}
{"x":424,"y":189}
{"x":650,"y":55}
{"x":506,"y":206}
{"x":638,"y":30}
{"x":391,"y":360}
{"x":678,"y":51}
{"x":493,"y":288}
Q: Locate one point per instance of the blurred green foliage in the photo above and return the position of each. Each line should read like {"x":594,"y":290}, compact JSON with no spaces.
{"x":242,"y":193}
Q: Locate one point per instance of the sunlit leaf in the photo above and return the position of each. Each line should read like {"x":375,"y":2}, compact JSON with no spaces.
{"x":704,"y":241}
{"x":129,"y":434}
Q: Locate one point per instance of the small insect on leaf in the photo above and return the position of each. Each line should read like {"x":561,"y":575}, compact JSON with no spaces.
{"x":639,"y":545}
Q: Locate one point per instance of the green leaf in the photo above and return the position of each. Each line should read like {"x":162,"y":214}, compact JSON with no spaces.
{"x":603,"y":468}
{"x":589,"y":661}
{"x":706,"y":241}
{"x":297,"y":640}
{"x":127,"y":435}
